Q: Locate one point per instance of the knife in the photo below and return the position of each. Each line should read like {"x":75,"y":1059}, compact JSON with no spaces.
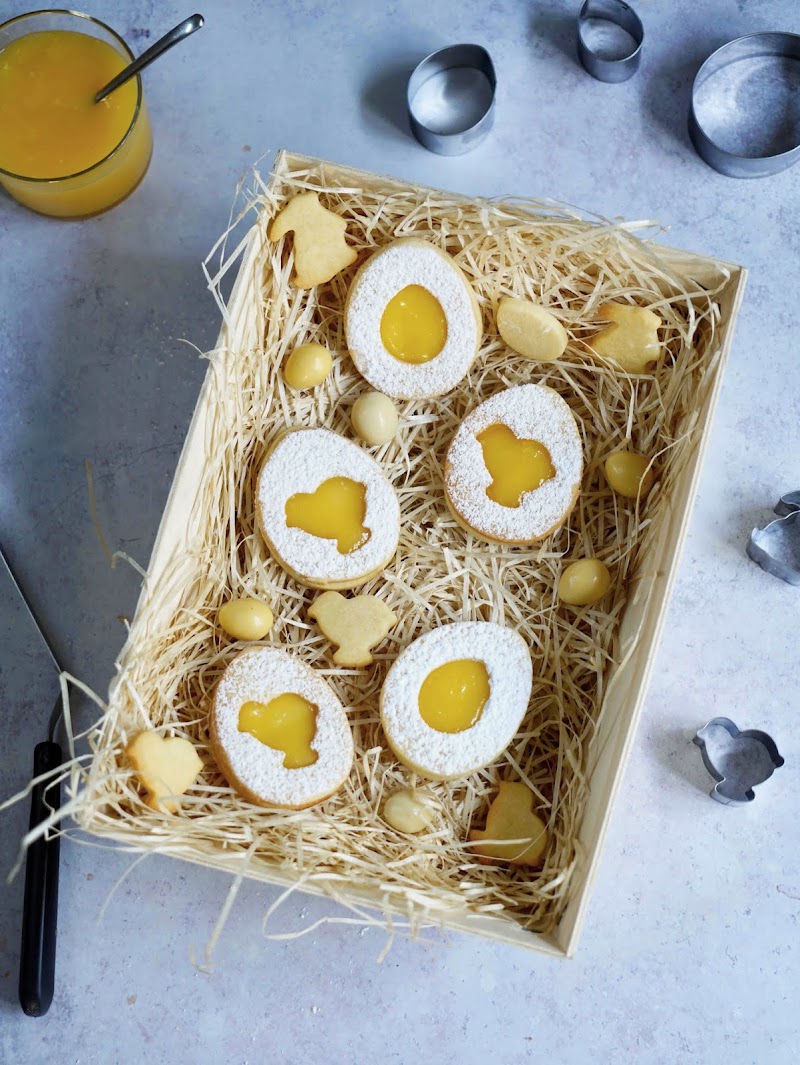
{"x":37,"y":960}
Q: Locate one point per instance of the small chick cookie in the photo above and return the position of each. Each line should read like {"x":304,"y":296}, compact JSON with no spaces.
{"x":412,"y":322}
{"x":166,"y":767}
{"x":279,"y":734}
{"x":320,"y":250}
{"x":513,"y":470}
{"x":454,"y":699}
{"x":513,"y":833}
{"x":356,"y":625}
{"x":631,"y":341}
{"x":325,"y":508}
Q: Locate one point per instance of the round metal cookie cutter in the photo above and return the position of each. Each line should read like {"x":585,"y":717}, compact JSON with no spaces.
{"x":450,"y":99}
{"x":610,"y":39}
{"x":744,"y":119}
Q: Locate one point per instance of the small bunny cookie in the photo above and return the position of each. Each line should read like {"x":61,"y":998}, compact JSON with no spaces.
{"x":320,"y":248}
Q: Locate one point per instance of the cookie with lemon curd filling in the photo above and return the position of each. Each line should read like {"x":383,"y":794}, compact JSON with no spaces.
{"x":412,"y":322}
{"x":514,"y":467}
{"x":278,"y":733}
{"x":326,"y":510}
{"x":454,"y":699}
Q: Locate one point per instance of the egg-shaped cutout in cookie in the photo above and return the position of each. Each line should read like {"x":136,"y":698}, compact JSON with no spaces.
{"x":412,"y":322}
{"x":326,"y":510}
{"x":454,"y":699}
{"x":514,"y":467}
{"x":279,"y":734}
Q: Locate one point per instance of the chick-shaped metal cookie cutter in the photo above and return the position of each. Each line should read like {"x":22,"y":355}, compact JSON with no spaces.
{"x":776,"y":547}
{"x":736,"y":760}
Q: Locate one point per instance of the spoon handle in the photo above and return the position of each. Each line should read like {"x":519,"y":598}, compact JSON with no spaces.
{"x":178,"y":33}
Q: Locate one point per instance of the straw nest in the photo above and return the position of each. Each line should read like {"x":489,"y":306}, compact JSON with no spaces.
{"x":168,"y":670}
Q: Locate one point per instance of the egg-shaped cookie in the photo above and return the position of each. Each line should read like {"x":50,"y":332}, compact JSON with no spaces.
{"x":278,"y":732}
{"x":412,"y":321}
{"x":514,"y":467}
{"x":327,"y":512}
{"x":454,"y":699}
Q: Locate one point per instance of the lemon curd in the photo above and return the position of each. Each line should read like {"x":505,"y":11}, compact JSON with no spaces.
{"x":413,"y":325}
{"x":516,"y":465}
{"x":60,"y":152}
{"x":334,"y":511}
{"x":287,"y":723}
{"x":452,"y":696}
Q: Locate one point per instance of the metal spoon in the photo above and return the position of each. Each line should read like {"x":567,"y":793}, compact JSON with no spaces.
{"x":179,"y":33}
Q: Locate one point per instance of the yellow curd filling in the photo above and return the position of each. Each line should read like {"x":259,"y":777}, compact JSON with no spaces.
{"x":414,"y":326}
{"x":287,"y":723}
{"x":50,"y":125}
{"x":334,"y":511}
{"x":516,"y":465}
{"x":453,"y":695}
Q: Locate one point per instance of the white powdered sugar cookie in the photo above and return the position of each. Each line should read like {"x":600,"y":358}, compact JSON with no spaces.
{"x":325,"y":508}
{"x":254,"y":688}
{"x":532,"y":419}
{"x":442,"y":323}
{"x":454,"y":699}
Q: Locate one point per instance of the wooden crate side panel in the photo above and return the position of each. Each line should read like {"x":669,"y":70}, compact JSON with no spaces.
{"x":642,"y":622}
{"x":362,"y":898}
{"x":626,"y":691}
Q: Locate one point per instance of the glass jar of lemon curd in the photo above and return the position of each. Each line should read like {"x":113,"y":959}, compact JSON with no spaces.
{"x":61,"y":153}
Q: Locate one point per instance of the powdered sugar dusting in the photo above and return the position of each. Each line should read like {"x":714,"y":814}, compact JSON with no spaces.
{"x":300,"y":462}
{"x":262,"y":674}
{"x":449,"y":755}
{"x":532,"y":412}
{"x":410,"y":261}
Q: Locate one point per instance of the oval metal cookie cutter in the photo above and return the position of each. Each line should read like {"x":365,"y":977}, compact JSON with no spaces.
{"x":610,"y":39}
{"x":776,"y":547}
{"x":450,"y":99}
{"x":744,"y":119}
{"x":736,"y":760}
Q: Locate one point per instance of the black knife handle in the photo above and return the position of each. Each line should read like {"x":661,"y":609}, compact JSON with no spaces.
{"x":37,"y":961}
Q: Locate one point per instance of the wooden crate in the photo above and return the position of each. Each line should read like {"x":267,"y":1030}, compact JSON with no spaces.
{"x":638,"y":634}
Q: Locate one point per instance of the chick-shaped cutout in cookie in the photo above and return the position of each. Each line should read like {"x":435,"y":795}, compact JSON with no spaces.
{"x":356,"y":625}
{"x":166,"y":767}
{"x":287,"y":723}
{"x":452,"y":696}
{"x":320,"y":249}
{"x":516,"y":465}
{"x":333,"y":511}
{"x":631,"y":341}
{"x":513,"y":832}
